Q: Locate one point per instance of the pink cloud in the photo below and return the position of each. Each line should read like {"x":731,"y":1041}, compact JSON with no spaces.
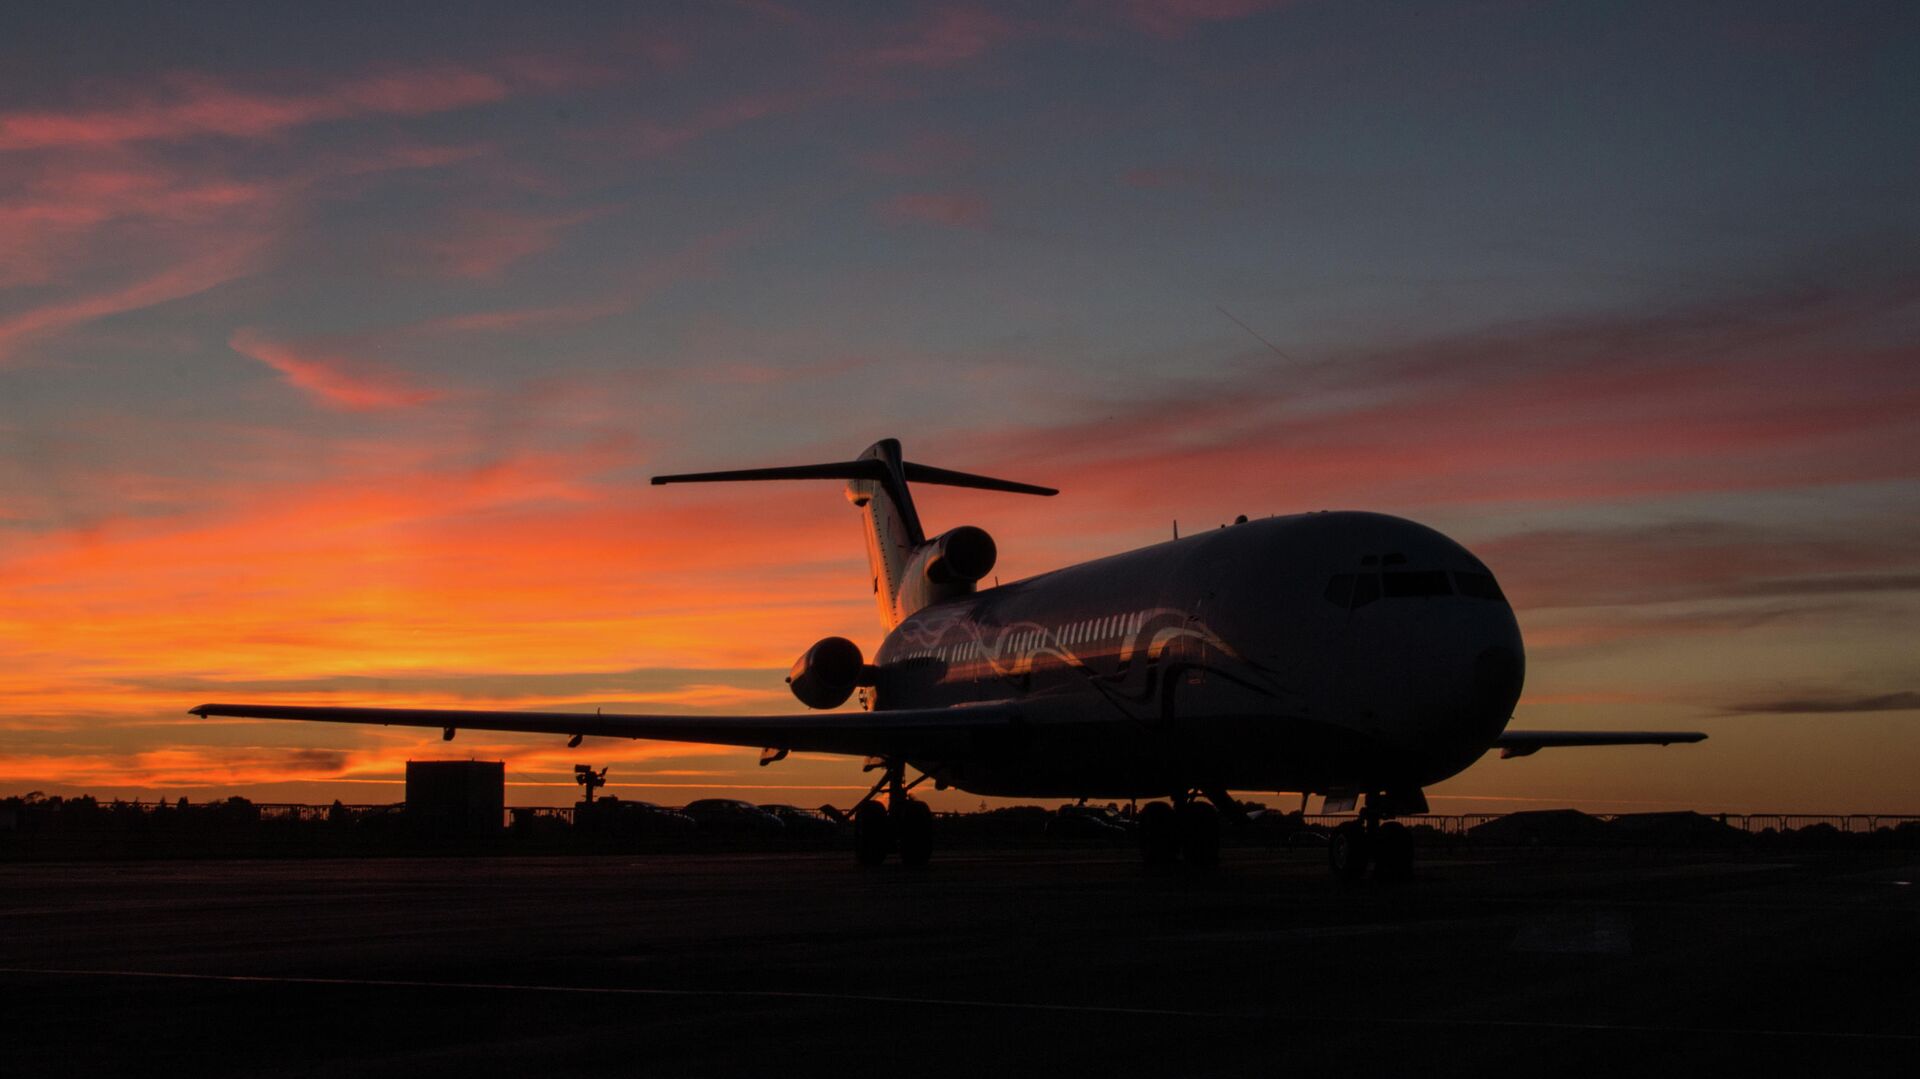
{"x":337,"y":382}
{"x":484,"y":242}
{"x":653,"y":138}
{"x":1714,"y":398}
{"x":196,"y":107}
{"x":919,"y":155}
{"x":947,"y":37}
{"x":173,"y":283}
{"x":520,"y":318}
{"x":952,"y":210}
{"x":696,"y":258}
{"x":1173,"y":18}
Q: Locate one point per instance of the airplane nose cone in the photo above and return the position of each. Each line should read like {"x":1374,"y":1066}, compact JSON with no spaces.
{"x":1497,"y":676}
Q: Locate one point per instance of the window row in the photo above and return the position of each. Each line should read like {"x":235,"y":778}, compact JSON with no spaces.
{"x":1093,"y":630}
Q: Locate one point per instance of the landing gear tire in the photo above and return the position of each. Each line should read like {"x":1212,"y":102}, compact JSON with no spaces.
{"x":1158,"y":833}
{"x":1199,"y":834}
{"x":913,"y":823}
{"x":1393,"y":852}
{"x":872,"y":833}
{"x":1348,"y":851}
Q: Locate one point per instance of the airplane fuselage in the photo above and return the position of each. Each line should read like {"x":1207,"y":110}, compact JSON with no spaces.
{"x":1326,"y":651}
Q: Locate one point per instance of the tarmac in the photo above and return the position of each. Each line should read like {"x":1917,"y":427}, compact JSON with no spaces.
{"x":987,"y":963}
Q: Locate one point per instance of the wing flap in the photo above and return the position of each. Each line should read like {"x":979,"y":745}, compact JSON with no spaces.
{"x":906,"y":732}
{"x":1526,"y":743}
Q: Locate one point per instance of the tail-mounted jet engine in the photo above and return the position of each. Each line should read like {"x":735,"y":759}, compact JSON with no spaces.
{"x":960,"y":556}
{"x":826,"y":675}
{"x":945,"y":567}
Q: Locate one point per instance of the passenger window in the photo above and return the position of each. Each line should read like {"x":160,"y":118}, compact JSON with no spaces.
{"x":1416,"y":583}
{"x":1395,"y":559}
{"x":1340,"y":590}
{"x":1366,"y":589}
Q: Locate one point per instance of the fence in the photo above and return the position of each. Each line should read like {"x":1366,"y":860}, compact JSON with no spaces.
{"x":1452,"y":824}
{"x":1847,"y":823}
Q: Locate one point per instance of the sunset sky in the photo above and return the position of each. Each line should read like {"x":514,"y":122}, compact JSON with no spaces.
{"x":337,"y":343}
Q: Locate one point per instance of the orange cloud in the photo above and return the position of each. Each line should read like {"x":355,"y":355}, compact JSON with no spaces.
{"x":334,"y":381}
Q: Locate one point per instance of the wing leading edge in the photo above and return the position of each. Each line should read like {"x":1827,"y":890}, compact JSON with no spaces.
{"x":903,"y":732}
{"x":1524,"y":743}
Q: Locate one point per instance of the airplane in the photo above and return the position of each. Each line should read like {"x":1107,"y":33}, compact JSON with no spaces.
{"x":1355,"y":655}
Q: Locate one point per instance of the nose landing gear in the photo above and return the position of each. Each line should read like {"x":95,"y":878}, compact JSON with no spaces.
{"x":1376,"y":840}
{"x":1188,"y":831}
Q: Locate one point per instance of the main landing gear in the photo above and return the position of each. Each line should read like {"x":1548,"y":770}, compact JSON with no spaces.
{"x":1373,"y":840}
{"x":1188,"y":831}
{"x":902,"y":825}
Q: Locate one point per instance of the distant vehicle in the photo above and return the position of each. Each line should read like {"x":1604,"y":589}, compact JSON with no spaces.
{"x":1356,"y":655}
{"x":613,"y":814}
{"x":804,"y":823}
{"x":1088,"y":822}
{"x":1284,"y":828}
{"x":734,"y":816}
{"x":659,"y":818}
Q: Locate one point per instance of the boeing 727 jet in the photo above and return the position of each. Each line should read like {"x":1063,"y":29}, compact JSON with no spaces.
{"x":1355,"y":655}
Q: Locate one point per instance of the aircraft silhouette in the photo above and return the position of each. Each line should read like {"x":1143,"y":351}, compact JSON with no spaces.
{"x":1355,"y":655}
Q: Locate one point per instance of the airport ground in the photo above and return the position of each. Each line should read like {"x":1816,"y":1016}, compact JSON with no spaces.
{"x":988,"y":963}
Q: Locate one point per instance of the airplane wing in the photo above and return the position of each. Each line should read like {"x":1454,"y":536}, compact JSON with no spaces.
{"x":1524,"y":743}
{"x":928,"y":732}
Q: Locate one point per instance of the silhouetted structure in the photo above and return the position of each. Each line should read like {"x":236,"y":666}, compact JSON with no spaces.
{"x":456,"y":798}
{"x":1677,"y":830}
{"x":589,"y":779}
{"x":1546,"y":828}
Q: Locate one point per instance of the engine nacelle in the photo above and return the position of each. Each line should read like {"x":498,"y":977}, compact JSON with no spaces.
{"x":960,"y":556}
{"x":826,"y":675}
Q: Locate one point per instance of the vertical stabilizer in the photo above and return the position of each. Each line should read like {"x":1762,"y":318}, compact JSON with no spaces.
{"x":892,"y":526}
{"x":877,"y":484}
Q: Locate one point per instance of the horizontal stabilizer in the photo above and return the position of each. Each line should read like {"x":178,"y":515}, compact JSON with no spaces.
{"x":948,"y":478}
{"x":866,"y":468}
{"x":1525,"y":743}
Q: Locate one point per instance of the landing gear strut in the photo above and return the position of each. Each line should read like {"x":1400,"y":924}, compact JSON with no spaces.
{"x":903,"y":824}
{"x":1188,"y":830}
{"x":1349,"y":850}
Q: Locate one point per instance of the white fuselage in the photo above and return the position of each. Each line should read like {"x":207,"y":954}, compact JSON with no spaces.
{"x":1326,"y":651}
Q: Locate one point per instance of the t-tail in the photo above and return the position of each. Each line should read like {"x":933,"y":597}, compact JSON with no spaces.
{"x":910,"y":571}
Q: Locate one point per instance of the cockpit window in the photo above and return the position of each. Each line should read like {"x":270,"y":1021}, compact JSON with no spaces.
{"x":1416,"y":583}
{"x":1340,"y":590}
{"x":1478,"y":585}
{"x":1366,"y":589}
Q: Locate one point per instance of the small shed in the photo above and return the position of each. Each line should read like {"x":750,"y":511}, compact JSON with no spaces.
{"x":457,"y":799}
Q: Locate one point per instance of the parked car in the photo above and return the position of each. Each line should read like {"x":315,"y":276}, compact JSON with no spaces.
{"x":614,"y":815}
{"x":804,"y":823}
{"x":731,"y":815}
{"x":1284,"y":828}
{"x":1087,"y":822}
